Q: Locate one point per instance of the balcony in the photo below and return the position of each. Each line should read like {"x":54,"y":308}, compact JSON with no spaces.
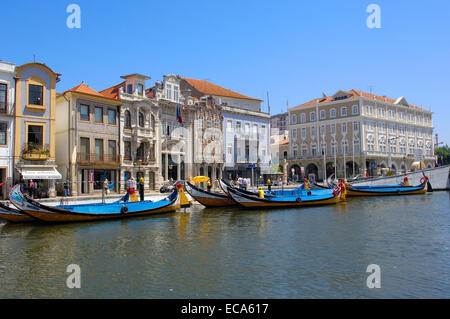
{"x":34,"y":152}
{"x":94,"y":158}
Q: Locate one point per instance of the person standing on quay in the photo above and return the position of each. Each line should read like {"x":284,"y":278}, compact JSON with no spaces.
{"x":141,"y":188}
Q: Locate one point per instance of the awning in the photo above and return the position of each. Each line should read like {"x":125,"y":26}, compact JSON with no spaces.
{"x":37,"y":173}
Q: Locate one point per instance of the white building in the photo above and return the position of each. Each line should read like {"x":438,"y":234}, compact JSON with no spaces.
{"x":7,"y":96}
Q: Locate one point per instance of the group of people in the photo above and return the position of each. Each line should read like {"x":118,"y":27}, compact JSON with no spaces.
{"x":240,"y":182}
{"x":132,"y":185}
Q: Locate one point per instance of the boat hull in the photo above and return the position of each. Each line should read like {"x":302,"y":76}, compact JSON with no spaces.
{"x":252,"y":201}
{"x":387,"y":191}
{"x":208,"y":199}
{"x":60,"y":215}
{"x":14,"y":215}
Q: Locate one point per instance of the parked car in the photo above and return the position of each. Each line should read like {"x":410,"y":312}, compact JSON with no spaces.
{"x":168,"y":187}
{"x":356,"y":178}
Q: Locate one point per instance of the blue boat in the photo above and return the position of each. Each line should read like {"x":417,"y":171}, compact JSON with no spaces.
{"x":91,"y":212}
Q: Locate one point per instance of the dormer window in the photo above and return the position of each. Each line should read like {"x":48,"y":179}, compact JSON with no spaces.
{"x":175,"y":93}
{"x":130,"y":89}
{"x":168,"y":91}
{"x":140,"y":89}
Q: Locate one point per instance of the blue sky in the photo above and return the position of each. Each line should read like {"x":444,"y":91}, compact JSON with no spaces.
{"x":294,"y":49}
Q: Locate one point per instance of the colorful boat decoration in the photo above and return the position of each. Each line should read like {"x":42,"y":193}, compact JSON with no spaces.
{"x":252,"y":200}
{"x":208,"y":199}
{"x":386,"y":190}
{"x":92,"y":212}
{"x":14,"y":215}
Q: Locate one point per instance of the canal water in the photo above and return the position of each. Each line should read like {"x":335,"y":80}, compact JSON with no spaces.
{"x":319,"y":252}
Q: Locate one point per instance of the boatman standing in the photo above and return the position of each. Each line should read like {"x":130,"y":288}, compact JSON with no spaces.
{"x":208,"y":185}
{"x":141,"y":188}
{"x":269,"y":184}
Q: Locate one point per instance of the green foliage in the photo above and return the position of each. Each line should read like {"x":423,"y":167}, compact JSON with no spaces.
{"x":390,"y":173}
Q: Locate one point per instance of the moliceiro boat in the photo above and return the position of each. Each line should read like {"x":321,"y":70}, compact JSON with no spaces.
{"x":380,"y":190}
{"x":208,"y":199}
{"x":14,"y":215}
{"x":92,"y":212}
{"x":252,"y":200}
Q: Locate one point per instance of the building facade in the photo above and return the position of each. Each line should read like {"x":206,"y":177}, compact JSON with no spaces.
{"x":354,"y":132}
{"x":87,"y":140}
{"x":139,"y":132}
{"x":7,"y":96}
{"x":34,"y":140}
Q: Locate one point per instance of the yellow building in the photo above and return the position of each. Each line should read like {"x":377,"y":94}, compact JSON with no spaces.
{"x":34,"y":142}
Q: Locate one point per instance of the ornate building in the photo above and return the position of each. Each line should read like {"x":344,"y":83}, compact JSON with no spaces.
{"x":140,"y":139}
{"x":355,"y":132}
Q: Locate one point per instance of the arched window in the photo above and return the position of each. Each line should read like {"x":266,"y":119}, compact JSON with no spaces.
{"x":141,"y":119}
{"x":127,"y":119}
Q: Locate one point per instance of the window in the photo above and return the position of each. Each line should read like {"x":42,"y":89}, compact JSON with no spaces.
{"x":333,"y":148}
{"x":356,"y":148}
{"x":400,"y":116}
{"x":369,"y":109}
{"x":303,"y":132}
{"x":313,"y":150}
{"x":294,"y":133}
{"x":35,"y":135}
{"x":322,"y":130}
{"x":175,"y":93}
{"x":3,"y":133}
{"x":323,"y":148}
{"x":392,"y":114}
{"x":238,"y":129}
{"x":141,"y":119}
{"x":208,"y":122}
{"x":294,"y":119}
{"x":369,"y":127}
{"x":140,"y":89}
{"x":111,"y":150}
{"x":381,"y":111}
{"x":247,"y":129}
{"x":84,"y":112}
{"x":355,"y":109}
{"x":35,"y":94}
{"x":382,"y":144}
{"x":382,"y":128}
{"x":229,"y":126}
{"x":370,"y":143}
{"x":344,"y":111}
{"x":229,"y":149}
{"x":312,"y":116}
{"x":355,"y":126}
{"x":344,"y":128}
{"x":216,"y":123}
{"x":345,"y":147}
{"x":127,"y":117}
{"x":112,"y":116}
{"x":333,"y":128}
{"x":168,"y":91}
{"x":3,"y":97}
{"x":263,"y":131}
{"x":303,"y":118}
{"x":333,"y":113}
{"x":98,"y":112}
{"x":200,"y":123}
{"x":401,"y":130}
{"x":313,"y":131}
{"x":393,"y":145}
{"x":98,"y":149}
{"x":402,"y":146}
{"x":255,"y":131}
{"x":322,"y":114}
{"x":84,"y":148}
{"x":304,"y":150}
{"x":127,"y":150}
{"x":130,"y":89}
{"x":295,"y":151}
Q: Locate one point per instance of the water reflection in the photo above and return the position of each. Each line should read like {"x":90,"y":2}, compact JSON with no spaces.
{"x":235,"y":253}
